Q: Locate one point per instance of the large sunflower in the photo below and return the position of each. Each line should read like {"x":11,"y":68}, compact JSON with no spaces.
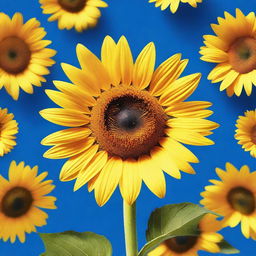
{"x":20,"y":200}
{"x":246,"y":131}
{"x":24,"y":58}
{"x":207,"y":240}
{"x":234,"y":49}
{"x":128,"y":121}
{"x":80,"y":14}
{"x":8,"y":130}
{"x":174,"y":4}
{"x":234,"y":197}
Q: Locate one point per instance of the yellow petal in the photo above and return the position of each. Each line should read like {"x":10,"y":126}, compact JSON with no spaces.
{"x":91,"y":170}
{"x":130,"y":183}
{"x":152,"y":175}
{"x":66,"y":136}
{"x":164,"y":75}
{"x":108,"y":180}
{"x":69,"y":149}
{"x":81,"y":78}
{"x":161,"y":156}
{"x":93,"y":67}
{"x":126,"y":61}
{"x":73,"y":166}
{"x":109,"y":59}
{"x":65,"y":117}
{"x":144,"y":67}
{"x":180,"y":90}
{"x":65,"y":101}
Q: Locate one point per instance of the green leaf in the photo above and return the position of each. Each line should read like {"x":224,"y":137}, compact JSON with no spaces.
{"x":72,"y":243}
{"x":227,"y":248}
{"x":171,"y":221}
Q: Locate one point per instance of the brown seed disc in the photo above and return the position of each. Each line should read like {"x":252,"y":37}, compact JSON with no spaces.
{"x":127,"y":122}
{"x":253,"y":134}
{"x":242,"y":200}
{"x":16,"y":202}
{"x":181,"y":244}
{"x":72,"y":5}
{"x":15,"y":55}
{"x":242,"y":55}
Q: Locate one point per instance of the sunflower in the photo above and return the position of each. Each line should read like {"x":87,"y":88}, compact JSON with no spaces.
{"x":246,"y":131}
{"x":8,"y":130}
{"x":127,"y":121}
{"x":234,"y":49}
{"x":174,"y":4}
{"x":234,"y":197}
{"x":20,"y":200}
{"x":24,"y":58}
{"x":207,"y":240}
{"x":80,"y":14}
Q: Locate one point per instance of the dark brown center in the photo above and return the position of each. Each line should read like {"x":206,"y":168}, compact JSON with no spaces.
{"x":127,"y":123}
{"x":16,"y":202}
{"x":242,"y":200}
{"x":253,"y":134}
{"x":181,"y":244}
{"x":242,"y":55}
{"x":14,"y":55}
{"x":72,"y":5}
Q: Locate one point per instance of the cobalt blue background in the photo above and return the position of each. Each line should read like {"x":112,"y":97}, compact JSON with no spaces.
{"x":141,"y":23}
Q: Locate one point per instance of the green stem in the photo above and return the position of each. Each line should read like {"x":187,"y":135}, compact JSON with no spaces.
{"x":130,"y":229}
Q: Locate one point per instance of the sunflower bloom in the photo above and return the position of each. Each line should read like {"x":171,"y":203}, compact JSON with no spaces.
{"x":207,"y":240}
{"x":20,"y":199}
{"x":234,"y":49}
{"x":234,"y":197}
{"x":174,"y":4}
{"x":127,"y":121}
{"x":8,"y":130}
{"x":78,"y":14}
{"x":246,"y":131}
{"x":24,"y":58}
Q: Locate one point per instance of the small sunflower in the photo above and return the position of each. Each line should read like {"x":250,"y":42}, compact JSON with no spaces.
{"x":246,"y":131}
{"x":174,"y":4}
{"x":207,"y":240}
{"x":20,"y":200}
{"x":8,"y":130}
{"x":234,"y":197}
{"x":24,"y":58}
{"x":234,"y":49}
{"x":127,"y":121}
{"x":80,"y":14}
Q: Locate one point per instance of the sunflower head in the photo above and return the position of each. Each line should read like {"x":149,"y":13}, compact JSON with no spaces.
{"x":246,"y":131}
{"x":234,"y":49}
{"x":78,"y":14}
{"x":8,"y":130}
{"x":207,"y":240}
{"x":127,"y":121}
{"x":20,"y":199}
{"x":233,"y":197}
{"x":174,"y":4}
{"x":24,"y":58}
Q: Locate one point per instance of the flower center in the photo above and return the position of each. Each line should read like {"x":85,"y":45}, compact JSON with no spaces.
{"x":242,"y":200}
{"x":15,"y":55}
{"x":72,"y":5}
{"x":253,"y":134}
{"x":242,"y":55}
{"x":127,"y":122}
{"x":16,"y":202}
{"x":181,"y":244}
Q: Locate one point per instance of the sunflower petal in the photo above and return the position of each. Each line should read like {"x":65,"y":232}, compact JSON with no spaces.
{"x":130,"y":183}
{"x":144,"y":67}
{"x":108,"y":180}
